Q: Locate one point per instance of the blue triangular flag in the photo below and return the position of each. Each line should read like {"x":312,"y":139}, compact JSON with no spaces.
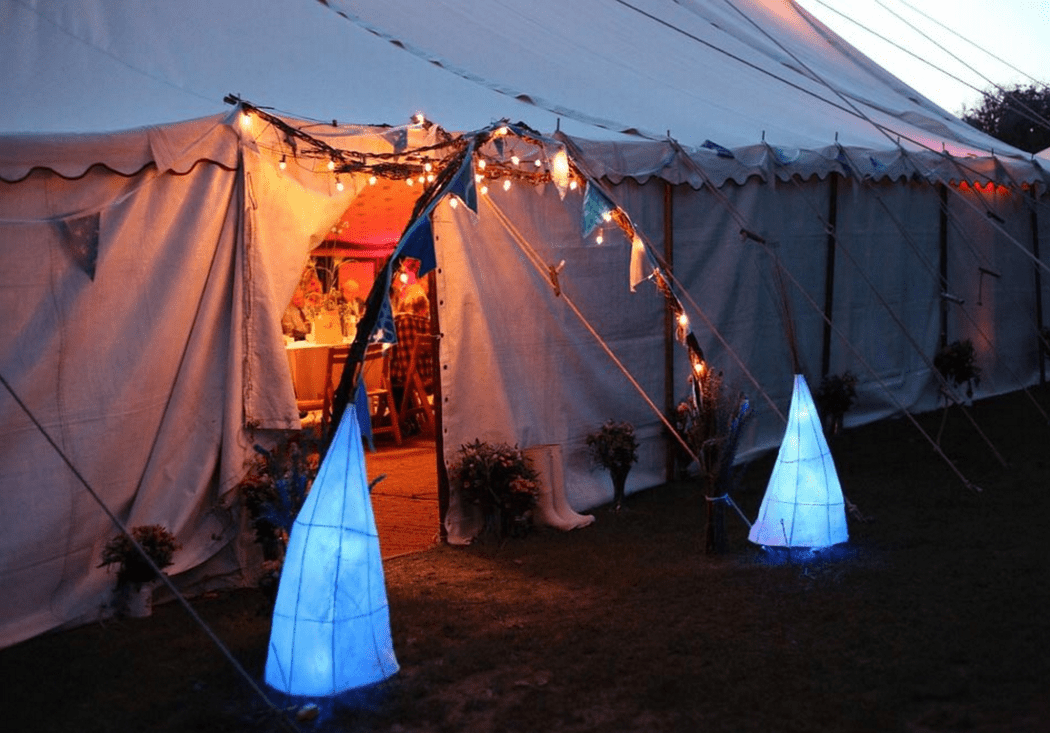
{"x":384,"y":331}
{"x":785,"y":156}
{"x":418,"y":243}
{"x":364,"y":414}
{"x":595,"y":206}
{"x":80,"y":236}
{"x":843,"y":160}
{"x":462,"y":184}
{"x":719,"y":150}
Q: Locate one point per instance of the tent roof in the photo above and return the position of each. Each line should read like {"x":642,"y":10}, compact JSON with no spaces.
{"x":729,"y":71}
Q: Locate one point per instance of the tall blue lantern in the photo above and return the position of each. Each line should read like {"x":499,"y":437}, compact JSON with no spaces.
{"x":803,"y":505}
{"x":331,"y":623}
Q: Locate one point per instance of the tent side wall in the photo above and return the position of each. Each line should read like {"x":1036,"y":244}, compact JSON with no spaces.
{"x":128,"y":373}
{"x":520,"y":368}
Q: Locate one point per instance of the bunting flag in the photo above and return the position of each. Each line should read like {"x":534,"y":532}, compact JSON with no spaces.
{"x":331,"y":621}
{"x":364,"y":414}
{"x":843,"y":160}
{"x":79,"y":236}
{"x":462,"y":184}
{"x":595,"y":206}
{"x":784,"y":156}
{"x":560,"y":171}
{"x":638,"y":255}
{"x":719,"y":150}
{"x":803,"y":505}
{"x":384,"y":331}
{"x":398,"y":137}
{"x":418,"y":243}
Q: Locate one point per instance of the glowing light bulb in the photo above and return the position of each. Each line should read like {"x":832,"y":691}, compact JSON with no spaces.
{"x":422,"y":179}
{"x":683,"y":320}
{"x":246,"y":121}
{"x":506,"y":185}
{"x":430,"y":178}
{"x":428,"y":167}
{"x":607,"y":215}
{"x":409,"y":181}
{"x":573,"y":185}
{"x":478,"y":178}
{"x":515,"y":159}
{"x":560,"y":169}
{"x":371,"y":180}
{"x":339,"y":185}
{"x":484,"y":189}
{"x":599,"y":239}
{"x":539,"y":163}
{"x":453,"y":202}
{"x":419,"y":119}
{"x":403,"y":277}
{"x":283,"y":164}
{"x":481,"y":164}
{"x":331,"y":164}
{"x":502,"y":131}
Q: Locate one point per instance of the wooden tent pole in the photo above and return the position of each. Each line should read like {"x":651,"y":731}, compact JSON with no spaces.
{"x":669,"y":330}
{"x":829,"y":271}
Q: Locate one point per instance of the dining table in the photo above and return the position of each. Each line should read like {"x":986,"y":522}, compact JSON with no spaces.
{"x":308,"y":364}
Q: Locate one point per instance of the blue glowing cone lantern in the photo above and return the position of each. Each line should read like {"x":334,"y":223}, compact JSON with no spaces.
{"x":803,"y":505}
{"x":331,"y":623}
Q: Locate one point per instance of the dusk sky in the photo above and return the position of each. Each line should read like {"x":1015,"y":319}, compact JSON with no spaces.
{"x":1015,"y":31}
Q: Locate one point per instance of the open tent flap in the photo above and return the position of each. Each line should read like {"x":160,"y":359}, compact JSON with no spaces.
{"x":143,"y":310}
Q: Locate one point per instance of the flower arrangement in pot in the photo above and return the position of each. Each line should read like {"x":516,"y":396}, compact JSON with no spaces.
{"x":500,"y":480}
{"x":834,"y":397}
{"x":614,"y":447}
{"x":273,"y":492}
{"x":133,"y":571}
{"x":957,"y":363}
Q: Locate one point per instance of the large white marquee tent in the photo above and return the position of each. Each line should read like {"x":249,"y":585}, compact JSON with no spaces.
{"x":150,"y":240}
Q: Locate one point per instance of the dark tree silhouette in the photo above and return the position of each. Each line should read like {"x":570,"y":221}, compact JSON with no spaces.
{"x":1018,"y":115}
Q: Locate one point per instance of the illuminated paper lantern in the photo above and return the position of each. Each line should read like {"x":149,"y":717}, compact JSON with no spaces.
{"x":331,"y":624}
{"x":803,"y":505}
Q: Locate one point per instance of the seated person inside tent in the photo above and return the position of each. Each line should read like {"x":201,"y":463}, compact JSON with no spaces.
{"x":351,"y":306}
{"x":412,"y":321}
{"x":293,"y":322}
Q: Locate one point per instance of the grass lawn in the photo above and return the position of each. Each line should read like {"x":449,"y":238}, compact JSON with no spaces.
{"x":932,"y":618}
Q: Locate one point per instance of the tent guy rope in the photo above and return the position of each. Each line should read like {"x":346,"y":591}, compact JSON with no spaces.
{"x":223,"y":649}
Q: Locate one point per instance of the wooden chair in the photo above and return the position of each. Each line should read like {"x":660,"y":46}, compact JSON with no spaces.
{"x":337,"y":356}
{"x":415,"y":402}
{"x":375,"y":371}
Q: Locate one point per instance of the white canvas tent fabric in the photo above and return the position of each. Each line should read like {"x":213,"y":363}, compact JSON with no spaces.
{"x":153,"y":376}
{"x":731,"y":71}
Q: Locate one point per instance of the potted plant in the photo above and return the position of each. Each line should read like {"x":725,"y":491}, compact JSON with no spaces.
{"x":957,"y":363}
{"x":135,"y":576}
{"x":500,"y":480}
{"x":614,"y":447}
{"x":273,"y":491}
{"x":835,"y":397}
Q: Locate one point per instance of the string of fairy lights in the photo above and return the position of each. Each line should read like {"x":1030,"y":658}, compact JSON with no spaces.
{"x":528,"y":162}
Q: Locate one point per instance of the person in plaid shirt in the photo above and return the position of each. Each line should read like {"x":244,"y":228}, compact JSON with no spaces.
{"x":412,"y":321}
